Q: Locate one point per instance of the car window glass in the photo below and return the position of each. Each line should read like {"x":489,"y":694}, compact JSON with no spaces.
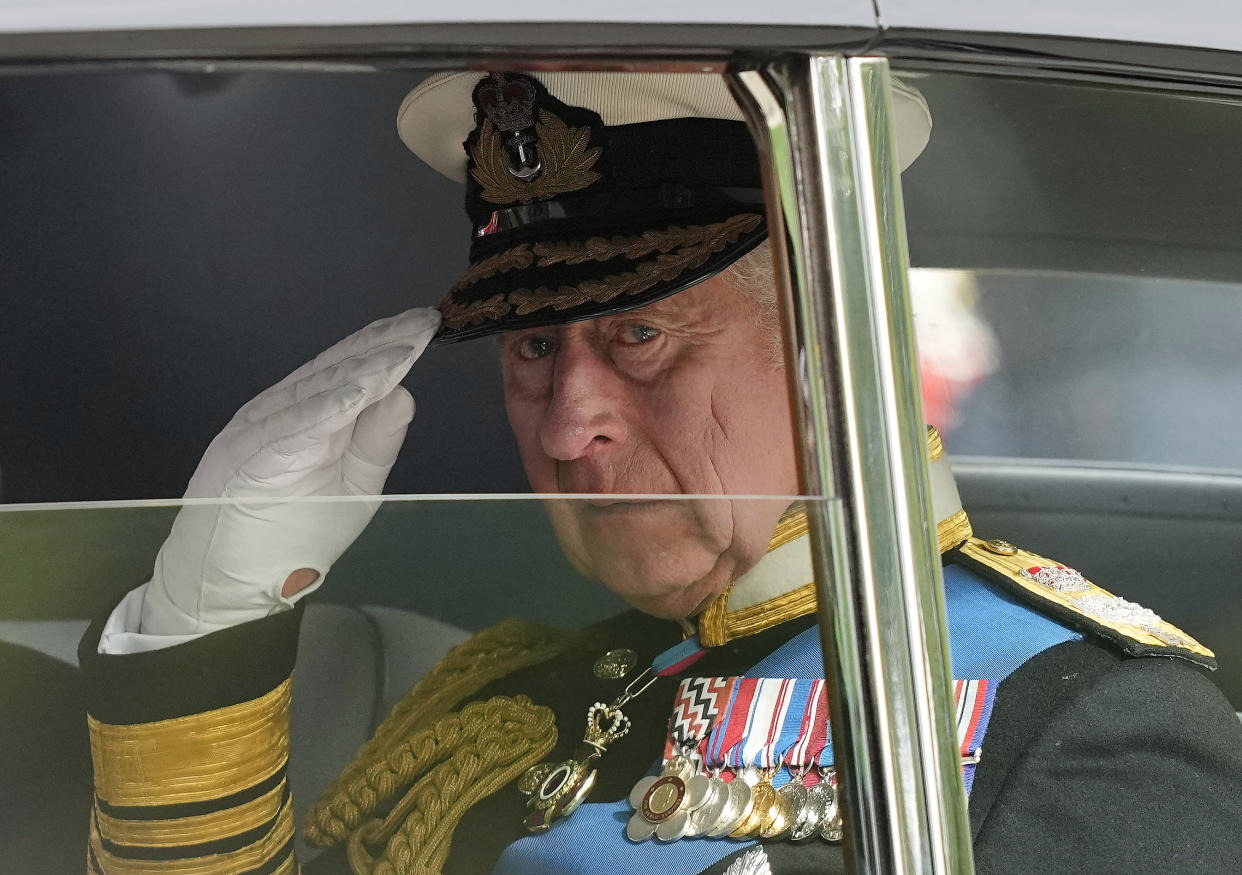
{"x":1096,"y":298}
{"x":424,"y":576}
{"x":1077,"y":284}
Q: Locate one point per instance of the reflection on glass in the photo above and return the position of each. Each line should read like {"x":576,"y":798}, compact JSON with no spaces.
{"x":422,"y":578}
{"x":459,"y":642}
{"x":1090,"y":367}
{"x":1094,"y":221}
{"x":956,"y":348}
{"x":468,"y":561}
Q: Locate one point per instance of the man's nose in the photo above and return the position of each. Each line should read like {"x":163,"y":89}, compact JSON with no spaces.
{"x":584,"y":417}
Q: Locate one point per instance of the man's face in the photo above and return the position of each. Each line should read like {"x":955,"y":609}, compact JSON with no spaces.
{"x":677,"y":398}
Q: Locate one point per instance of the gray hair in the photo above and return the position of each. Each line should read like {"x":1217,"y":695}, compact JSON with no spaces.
{"x":754,"y":276}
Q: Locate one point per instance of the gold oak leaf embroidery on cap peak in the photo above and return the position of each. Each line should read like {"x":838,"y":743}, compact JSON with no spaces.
{"x":690,"y":247}
{"x":518,"y":257}
{"x":563,"y":151}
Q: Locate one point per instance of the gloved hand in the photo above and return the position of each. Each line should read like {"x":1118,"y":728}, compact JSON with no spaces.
{"x":331,"y":428}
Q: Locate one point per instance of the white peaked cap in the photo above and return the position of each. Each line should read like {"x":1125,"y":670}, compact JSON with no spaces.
{"x":437,"y":116}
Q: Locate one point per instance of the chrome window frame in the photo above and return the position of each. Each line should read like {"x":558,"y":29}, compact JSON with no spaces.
{"x":824,"y":122}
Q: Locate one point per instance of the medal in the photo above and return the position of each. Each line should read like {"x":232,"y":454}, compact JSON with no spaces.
{"x":781,"y":816}
{"x":800,"y":756}
{"x":763,"y":731}
{"x":736,"y":811}
{"x":564,"y":786}
{"x":695,"y":712}
{"x":830,"y":826}
{"x":807,"y":821}
{"x":615,"y":664}
{"x":824,"y":811}
{"x":656,"y":798}
{"x":664,"y":806}
{"x":793,"y":797}
{"x":763,"y":798}
{"x":704,"y":819}
{"x":752,"y":758}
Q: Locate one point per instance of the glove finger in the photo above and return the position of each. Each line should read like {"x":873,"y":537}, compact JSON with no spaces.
{"x":375,"y":373}
{"x":303,"y":463}
{"x":413,"y":328}
{"x":377,"y":439}
{"x":284,"y":469}
{"x":298,"y":428}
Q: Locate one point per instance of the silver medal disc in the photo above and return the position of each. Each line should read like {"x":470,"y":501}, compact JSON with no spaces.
{"x":639,"y":829}
{"x":832,"y":806}
{"x":830,"y":827}
{"x":793,"y":795}
{"x":640,"y":790}
{"x":738,"y":809}
{"x":832,"y":830}
{"x":697,"y":789}
{"x":705,"y":816}
{"x":674,"y":828}
{"x":812,"y":812}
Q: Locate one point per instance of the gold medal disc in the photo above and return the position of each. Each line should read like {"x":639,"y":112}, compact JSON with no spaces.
{"x":663,"y":798}
{"x":777,"y":822}
{"x":762,"y":798}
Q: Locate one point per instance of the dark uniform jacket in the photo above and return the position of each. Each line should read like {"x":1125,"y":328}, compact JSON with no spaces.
{"x":1104,"y":753}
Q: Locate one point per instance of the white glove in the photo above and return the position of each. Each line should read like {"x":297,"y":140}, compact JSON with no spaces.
{"x":332,"y":427}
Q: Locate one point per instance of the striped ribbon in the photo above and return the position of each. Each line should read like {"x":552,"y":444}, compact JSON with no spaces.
{"x":678,"y":658}
{"x":813,"y":731}
{"x":731,"y":727}
{"x":973,"y":701}
{"x":698,"y":702}
{"x":768,"y":710}
{"x":769,"y":721}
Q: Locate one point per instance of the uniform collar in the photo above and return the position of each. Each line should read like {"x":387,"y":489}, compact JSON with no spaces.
{"x":781,"y":585}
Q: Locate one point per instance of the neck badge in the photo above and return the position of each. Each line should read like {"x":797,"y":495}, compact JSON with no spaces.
{"x":555,"y":790}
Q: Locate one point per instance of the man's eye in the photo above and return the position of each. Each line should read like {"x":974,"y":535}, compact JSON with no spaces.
{"x":639,"y":333}
{"x":534,"y":347}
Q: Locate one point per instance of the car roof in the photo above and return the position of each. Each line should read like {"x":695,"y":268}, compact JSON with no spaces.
{"x":1213,"y":24}
{"x":67,"y":15}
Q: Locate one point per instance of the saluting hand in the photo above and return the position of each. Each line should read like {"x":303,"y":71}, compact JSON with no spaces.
{"x":331,"y":428}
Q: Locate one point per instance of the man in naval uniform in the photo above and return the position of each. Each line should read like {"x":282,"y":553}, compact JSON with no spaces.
{"x":617,"y":223}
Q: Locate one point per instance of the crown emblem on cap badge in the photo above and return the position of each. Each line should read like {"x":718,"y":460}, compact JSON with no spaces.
{"x":509,"y":105}
{"x":524,"y":152}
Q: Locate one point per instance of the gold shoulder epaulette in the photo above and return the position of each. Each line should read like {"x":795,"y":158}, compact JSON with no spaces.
{"x":1064,"y":593}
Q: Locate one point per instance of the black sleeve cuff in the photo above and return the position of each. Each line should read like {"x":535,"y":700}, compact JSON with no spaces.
{"x":217,"y":670}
